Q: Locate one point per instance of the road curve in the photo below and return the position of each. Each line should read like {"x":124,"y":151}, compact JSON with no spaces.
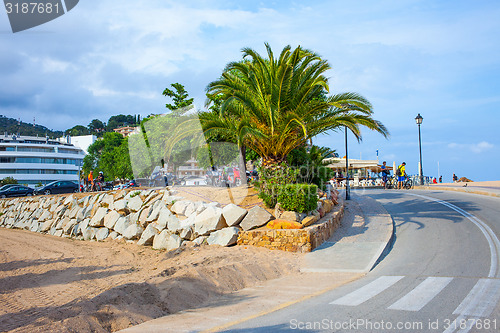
{"x":442,"y":274}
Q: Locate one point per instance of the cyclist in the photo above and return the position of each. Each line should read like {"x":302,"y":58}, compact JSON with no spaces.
{"x":100,"y":180}
{"x":401,"y":173}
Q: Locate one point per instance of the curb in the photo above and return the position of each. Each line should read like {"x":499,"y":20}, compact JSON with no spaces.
{"x":458,"y":189}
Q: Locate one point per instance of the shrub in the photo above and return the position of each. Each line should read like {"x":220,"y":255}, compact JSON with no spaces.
{"x":271,"y":181}
{"x":298,"y":198}
{"x":8,"y":180}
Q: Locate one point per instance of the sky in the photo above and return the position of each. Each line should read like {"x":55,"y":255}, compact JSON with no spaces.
{"x":437,"y":58}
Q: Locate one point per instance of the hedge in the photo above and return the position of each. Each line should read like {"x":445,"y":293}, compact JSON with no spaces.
{"x":298,"y":198}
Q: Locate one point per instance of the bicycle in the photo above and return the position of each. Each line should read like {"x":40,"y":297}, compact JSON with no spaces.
{"x":393,"y":183}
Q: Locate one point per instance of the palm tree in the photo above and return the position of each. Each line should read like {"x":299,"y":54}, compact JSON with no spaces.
{"x":273,"y":105}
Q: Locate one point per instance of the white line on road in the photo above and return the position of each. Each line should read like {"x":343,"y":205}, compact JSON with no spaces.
{"x":370,"y":290}
{"x":482,"y":297}
{"x":481,"y":300}
{"x":422,"y":294}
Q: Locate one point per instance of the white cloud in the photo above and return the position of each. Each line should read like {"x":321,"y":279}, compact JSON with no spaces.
{"x":472,"y":147}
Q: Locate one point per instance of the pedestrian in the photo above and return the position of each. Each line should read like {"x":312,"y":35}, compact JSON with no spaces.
{"x":455,"y":178}
{"x":385,"y":172}
{"x":440,"y":179}
{"x":401,"y":173}
{"x":434,"y":180}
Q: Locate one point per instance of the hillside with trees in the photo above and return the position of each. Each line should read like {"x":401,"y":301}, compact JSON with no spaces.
{"x":13,"y":126}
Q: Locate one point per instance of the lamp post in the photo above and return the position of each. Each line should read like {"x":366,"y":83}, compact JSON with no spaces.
{"x":347,"y":188}
{"x":419,"y":119}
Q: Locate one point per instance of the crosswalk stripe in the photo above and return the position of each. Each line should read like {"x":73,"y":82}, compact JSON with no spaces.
{"x":422,"y":294}
{"x":481,"y":300}
{"x":368,"y":291}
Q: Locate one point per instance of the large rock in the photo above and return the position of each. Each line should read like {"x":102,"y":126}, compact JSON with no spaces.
{"x":233,"y":214}
{"x":88,"y":233}
{"x":98,"y":219}
{"x":135,"y":203}
{"x":148,"y":235}
{"x":122,"y":224}
{"x":47,"y":225}
{"x":120,"y":206}
{"x":209,"y":220}
{"x":45,"y":216}
{"x":174,"y":224}
{"x":179,"y":207}
{"x":166,"y":240}
{"x":133,"y":231}
{"x":111,"y":218}
{"x":69,"y":226}
{"x":102,"y":234}
{"x":163,"y":218}
{"x":256,"y":217}
{"x":224,"y":237}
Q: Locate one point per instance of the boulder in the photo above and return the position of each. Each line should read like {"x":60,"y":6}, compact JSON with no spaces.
{"x":174,"y":224}
{"x":256,"y":217}
{"x":163,"y":218}
{"x":148,"y":235}
{"x":102,"y":234}
{"x":111,"y":218}
{"x":155,"y":211}
{"x":69,"y":226}
{"x":187,"y":233}
{"x":47,"y":225}
{"x":233,"y":214}
{"x":122,"y":224}
{"x":46,"y":215}
{"x":120,"y":206}
{"x":283,"y":224}
{"x":133,"y":231}
{"x":308,"y":220}
{"x":179,"y":207}
{"x":113,"y":235}
{"x":209,"y":220}
{"x":166,"y":240}
{"x":88,"y":233}
{"x":224,"y":237}
{"x":135,"y":203}
{"x":98,"y":219}
{"x":200,"y":240}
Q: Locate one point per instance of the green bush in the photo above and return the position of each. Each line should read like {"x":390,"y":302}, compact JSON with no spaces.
{"x":8,"y":180}
{"x":298,"y":198}
{"x":271,"y":181}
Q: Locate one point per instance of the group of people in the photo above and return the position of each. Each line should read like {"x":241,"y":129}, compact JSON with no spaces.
{"x":92,"y":184}
{"x":400,"y":173}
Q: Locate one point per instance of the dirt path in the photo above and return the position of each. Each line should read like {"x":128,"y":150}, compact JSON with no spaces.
{"x":62,"y":285}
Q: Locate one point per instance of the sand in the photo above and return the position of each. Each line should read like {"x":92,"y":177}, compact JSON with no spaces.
{"x":54,"y":284}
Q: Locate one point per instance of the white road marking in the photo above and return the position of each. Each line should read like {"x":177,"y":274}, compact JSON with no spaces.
{"x":485,"y":295}
{"x":368,"y":291}
{"x":481,"y":300}
{"x":422,"y":294}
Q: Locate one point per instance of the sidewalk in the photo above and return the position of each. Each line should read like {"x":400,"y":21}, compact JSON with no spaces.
{"x":490,"y":188}
{"x":354,"y":249}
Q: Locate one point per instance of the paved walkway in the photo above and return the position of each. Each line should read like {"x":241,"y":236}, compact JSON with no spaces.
{"x":352,"y":251}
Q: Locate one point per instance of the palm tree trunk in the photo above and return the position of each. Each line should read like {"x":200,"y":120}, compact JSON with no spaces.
{"x":243,"y":164}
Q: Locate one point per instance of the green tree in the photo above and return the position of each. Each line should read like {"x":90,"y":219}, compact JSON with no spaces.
{"x":96,"y":127}
{"x":179,"y":97}
{"x":77,"y":131}
{"x":8,"y":180}
{"x":109,"y":155}
{"x":273,"y":105}
{"x":120,"y":121}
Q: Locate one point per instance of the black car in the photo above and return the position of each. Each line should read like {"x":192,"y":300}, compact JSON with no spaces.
{"x":63,"y":186}
{"x":4,"y":187}
{"x":16,"y":191}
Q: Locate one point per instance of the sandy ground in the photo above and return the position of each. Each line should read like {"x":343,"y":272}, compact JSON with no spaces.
{"x":62,"y":285}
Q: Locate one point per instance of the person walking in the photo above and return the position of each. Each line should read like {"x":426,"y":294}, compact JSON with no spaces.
{"x":401,"y":173}
{"x":455,"y":178}
{"x":385,"y":172}
{"x":91,"y":181}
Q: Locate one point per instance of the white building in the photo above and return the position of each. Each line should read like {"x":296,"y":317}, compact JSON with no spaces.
{"x":33,"y":160}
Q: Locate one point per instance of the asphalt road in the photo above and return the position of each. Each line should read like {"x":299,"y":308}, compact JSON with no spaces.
{"x":442,"y":274}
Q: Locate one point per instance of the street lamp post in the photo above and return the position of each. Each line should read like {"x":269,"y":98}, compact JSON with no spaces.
{"x":419,"y":119}
{"x":347,"y":188}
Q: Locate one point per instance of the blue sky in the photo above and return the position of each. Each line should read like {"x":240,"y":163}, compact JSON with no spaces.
{"x":437,"y":58}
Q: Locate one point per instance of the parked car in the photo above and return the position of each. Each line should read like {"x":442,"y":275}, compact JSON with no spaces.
{"x":133,"y":183}
{"x":16,"y":191}
{"x":4,"y":187}
{"x":64,"y":186}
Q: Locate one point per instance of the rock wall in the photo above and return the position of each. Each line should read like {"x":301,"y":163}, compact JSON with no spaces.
{"x":295,"y":240}
{"x":160,"y":219}
{"x":148,"y":217}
